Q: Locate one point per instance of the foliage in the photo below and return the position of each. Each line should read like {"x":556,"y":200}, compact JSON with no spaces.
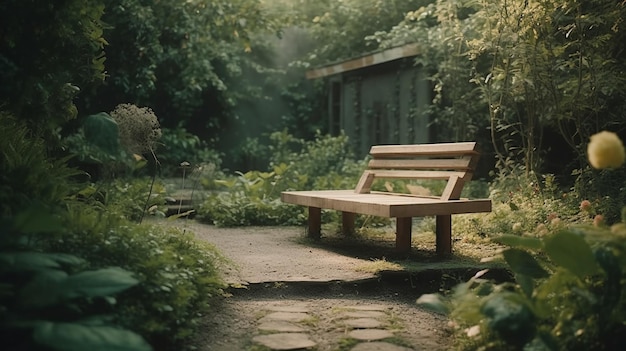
{"x":178,"y":275}
{"x":521,"y":71}
{"x":179,"y":145}
{"x":28,"y":174}
{"x":124,"y":197}
{"x":253,"y":198}
{"x":340,"y":27}
{"x":96,"y":149}
{"x":45,"y":59}
{"x":568,"y":294}
{"x":168,"y":55}
{"x":606,"y":189}
{"x":50,"y":300}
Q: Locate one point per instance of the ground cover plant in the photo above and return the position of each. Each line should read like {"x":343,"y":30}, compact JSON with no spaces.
{"x":568,"y":292}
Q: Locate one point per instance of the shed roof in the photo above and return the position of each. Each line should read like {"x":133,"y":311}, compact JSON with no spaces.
{"x":364,"y":61}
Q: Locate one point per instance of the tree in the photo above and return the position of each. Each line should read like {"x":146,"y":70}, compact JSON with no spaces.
{"x":174,"y":56}
{"x":48,"y":52}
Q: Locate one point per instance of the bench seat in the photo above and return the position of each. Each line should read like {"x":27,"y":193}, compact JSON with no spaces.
{"x":384,"y":204}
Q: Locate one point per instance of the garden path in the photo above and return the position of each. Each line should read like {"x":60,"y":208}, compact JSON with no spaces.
{"x":286,"y":294}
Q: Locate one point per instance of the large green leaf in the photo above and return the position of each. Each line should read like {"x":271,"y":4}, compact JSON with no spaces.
{"x":55,"y":286}
{"x":521,"y":262}
{"x":45,"y":289}
{"x":102,"y":282}
{"x":509,"y":315}
{"x":35,"y":261}
{"x":571,"y":251}
{"x":77,"y":337}
{"x":102,"y":130}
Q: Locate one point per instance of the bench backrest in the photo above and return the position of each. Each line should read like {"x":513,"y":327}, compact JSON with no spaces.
{"x":454,"y":162}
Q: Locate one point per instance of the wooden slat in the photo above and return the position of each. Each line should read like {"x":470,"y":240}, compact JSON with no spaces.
{"x":453,"y":189}
{"x":365,"y":183}
{"x":405,"y":174}
{"x":442,"y":149}
{"x":462,"y":164}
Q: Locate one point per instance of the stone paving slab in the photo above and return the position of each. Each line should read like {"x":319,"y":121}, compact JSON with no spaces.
{"x":286,"y":316}
{"x":364,"y":314}
{"x":363,"y":323}
{"x":285,"y":341}
{"x":379,"y":346}
{"x":370,"y":334}
{"x":281,"y":326}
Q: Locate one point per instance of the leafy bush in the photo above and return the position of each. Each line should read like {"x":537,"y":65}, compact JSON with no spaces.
{"x":569,"y":291}
{"x":178,"y":145}
{"x":253,"y":198}
{"x":568,"y":294}
{"x":177,"y":274}
{"x":27,"y":172}
{"x":48,"y":298}
{"x":606,"y":189}
{"x":124,"y":197}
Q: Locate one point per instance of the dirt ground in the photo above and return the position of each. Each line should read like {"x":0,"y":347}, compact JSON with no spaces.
{"x":279,"y":266}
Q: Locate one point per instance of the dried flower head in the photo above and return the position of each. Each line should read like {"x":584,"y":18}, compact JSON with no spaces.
{"x":139,"y":128}
{"x":585,"y":205}
{"x":605,"y":150}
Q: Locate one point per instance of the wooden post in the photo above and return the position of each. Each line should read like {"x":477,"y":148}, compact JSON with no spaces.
{"x":315,"y":223}
{"x":403,"y":234}
{"x":347,"y":222}
{"x":444,"y":235}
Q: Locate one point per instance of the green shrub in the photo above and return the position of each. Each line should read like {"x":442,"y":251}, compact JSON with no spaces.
{"x":125,"y":197}
{"x":568,"y":294}
{"x":569,"y":291}
{"x":178,"y":145}
{"x":49,"y":299}
{"x":606,"y":189}
{"x":253,"y":198}
{"x":28,"y":174}
{"x":177,"y":274}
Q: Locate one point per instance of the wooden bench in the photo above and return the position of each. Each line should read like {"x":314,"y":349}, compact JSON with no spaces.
{"x":454,"y":162}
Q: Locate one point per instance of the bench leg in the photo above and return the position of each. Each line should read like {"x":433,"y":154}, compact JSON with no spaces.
{"x":444,"y":235}
{"x":403,"y":234}
{"x":315,"y":223}
{"x":347,"y":222}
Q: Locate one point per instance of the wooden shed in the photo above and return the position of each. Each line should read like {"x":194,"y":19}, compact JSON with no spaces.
{"x":379,"y":98}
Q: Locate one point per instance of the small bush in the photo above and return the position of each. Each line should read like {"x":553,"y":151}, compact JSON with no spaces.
{"x":177,"y":145}
{"x":253,"y":198}
{"x":177,"y":274}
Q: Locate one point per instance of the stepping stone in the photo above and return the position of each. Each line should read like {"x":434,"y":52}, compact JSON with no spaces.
{"x":379,"y":346}
{"x":364,"y":314}
{"x":370,"y":334}
{"x":300,"y":309}
{"x":368,"y":307}
{"x":285,"y":341}
{"x":361,"y":323}
{"x":281,"y":326}
{"x":285,"y":316}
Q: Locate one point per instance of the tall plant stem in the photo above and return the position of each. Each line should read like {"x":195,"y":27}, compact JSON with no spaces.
{"x":145,"y":206}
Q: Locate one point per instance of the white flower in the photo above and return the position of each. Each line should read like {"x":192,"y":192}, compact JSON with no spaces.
{"x":606,"y":150}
